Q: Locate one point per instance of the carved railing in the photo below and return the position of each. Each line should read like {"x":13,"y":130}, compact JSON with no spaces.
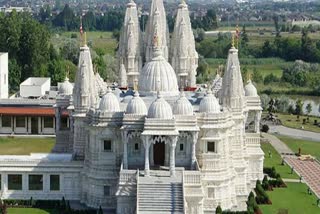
{"x":192,"y":178}
{"x":252,"y":139}
{"x":183,"y":194}
{"x":127,"y":176}
{"x":137,"y":195}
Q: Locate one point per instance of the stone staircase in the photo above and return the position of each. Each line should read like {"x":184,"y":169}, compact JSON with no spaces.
{"x":160,"y":194}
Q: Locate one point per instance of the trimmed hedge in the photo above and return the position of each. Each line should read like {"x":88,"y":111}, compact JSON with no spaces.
{"x":62,"y":206}
{"x":262,"y":197}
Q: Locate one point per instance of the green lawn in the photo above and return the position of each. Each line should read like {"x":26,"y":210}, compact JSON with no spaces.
{"x":294,"y":199}
{"x":275,"y":161}
{"x":291,"y":121}
{"x":25,"y":146}
{"x":99,"y":40}
{"x":307,"y":147}
{"x":30,"y":211}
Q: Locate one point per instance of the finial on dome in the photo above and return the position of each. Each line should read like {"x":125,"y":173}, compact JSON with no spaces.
{"x":109,"y":90}
{"x":233,"y":41}
{"x":158,"y":89}
{"x":85,"y":39}
{"x":135,"y":85}
{"x":249,"y":77}
{"x":67,"y":73}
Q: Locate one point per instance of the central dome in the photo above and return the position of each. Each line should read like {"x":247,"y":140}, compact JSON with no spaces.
{"x":160,"y":109}
{"x":158,"y":75}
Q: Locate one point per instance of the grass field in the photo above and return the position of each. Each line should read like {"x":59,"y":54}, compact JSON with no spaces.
{"x":307,"y":147}
{"x":291,"y":122}
{"x":275,"y":161}
{"x":25,"y":146}
{"x":101,"y":40}
{"x":294,"y":199}
{"x":30,"y":211}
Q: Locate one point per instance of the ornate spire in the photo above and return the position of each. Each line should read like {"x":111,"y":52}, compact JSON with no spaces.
{"x":232,"y":87}
{"x":157,"y":18}
{"x":129,"y":52}
{"x":183,"y":55}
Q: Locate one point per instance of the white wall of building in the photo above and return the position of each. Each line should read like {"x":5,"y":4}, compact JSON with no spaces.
{"x":35,"y":87}
{"x":4,"y":79}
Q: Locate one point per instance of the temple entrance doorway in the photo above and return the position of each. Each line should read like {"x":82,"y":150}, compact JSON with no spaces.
{"x":159,"y":153}
{"x":34,"y":125}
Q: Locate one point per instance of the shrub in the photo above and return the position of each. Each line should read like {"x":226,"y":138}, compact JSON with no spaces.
{"x":265,"y":128}
{"x":218,"y":210}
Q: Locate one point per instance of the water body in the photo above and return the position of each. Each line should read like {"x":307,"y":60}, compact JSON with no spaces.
{"x":314,"y":101}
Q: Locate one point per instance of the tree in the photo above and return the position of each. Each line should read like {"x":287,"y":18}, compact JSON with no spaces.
{"x":257,"y":76}
{"x":298,"y":106}
{"x":276,"y":25}
{"x":218,"y":210}
{"x":267,"y":49}
{"x":14,"y":75}
{"x":100,"y":211}
{"x":309,"y":108}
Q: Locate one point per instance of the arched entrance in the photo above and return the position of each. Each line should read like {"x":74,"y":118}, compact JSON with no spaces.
{"x":159,"y":153}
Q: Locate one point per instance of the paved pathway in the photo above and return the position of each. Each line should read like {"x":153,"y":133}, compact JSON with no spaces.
{"x":309,"y":170}
{"x":280,"y":146}
{"x":295,"y":133}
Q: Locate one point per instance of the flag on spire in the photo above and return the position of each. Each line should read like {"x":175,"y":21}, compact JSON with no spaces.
{"x":237,"y":36}
{"x":81,"y":29}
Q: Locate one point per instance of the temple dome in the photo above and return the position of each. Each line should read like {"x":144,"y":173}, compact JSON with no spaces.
{"x":250,"y":90}
{"x":160,"y":109}
{"x":209,"y":104}
{"x":136,"y":105}
{"x":158,"y":75}
{"x":109,"y":102}
{"x":66,"y":88}
{"x":183,"y":106}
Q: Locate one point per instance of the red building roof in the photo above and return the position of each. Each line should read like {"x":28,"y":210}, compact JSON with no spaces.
{"x":30,"y":111}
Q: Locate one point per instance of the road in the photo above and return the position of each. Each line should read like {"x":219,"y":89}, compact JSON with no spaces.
{"x":294,"y":133}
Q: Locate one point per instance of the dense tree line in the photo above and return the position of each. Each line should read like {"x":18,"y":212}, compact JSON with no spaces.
{"x":29,"y":48}
{"x":291,"y":48}
{"x":69,"y":21}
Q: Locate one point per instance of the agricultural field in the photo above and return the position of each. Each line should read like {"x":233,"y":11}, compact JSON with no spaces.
{"x":25,"y":146}
{"x":98,"y":40}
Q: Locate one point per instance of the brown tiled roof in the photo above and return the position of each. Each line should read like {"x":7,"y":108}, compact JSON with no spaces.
{"x":29,"y":111}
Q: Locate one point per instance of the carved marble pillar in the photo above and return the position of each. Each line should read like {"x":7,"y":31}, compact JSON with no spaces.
{"x":166,"y":155}
{"x":257,"y":120}
{"x":146,"y":144}
{"x":193,"y":151}
{"x":125,"y":149}
{"x":151,"y":155}
{"x":58,"y":119}
{"x":173,"y":143}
